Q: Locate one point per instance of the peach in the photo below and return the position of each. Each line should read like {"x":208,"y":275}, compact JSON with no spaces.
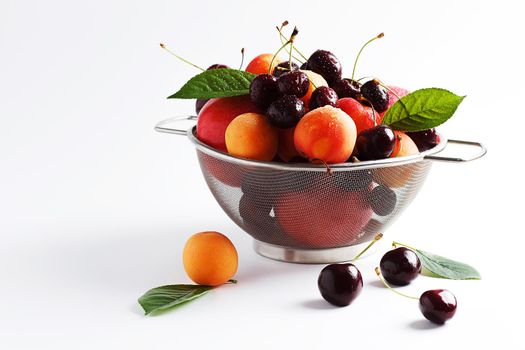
{"x":287,"y":150}
{"x":216,"y":115}
{"x":395,"y":177}
{"x":251,"y":136}
{"x":261,"y":64}
{"x":363,"y":116}
{"x":323,"y":219}
{"x":327,"y":134}
{"x":316,"y":80}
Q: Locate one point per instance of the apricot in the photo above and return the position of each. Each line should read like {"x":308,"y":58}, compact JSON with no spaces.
{"x":395,"y":177}
{"x":210,"y":258}
{"x":217,"y":114}
{"x":261,"y":64}
{"x":323,"y":219}
{"x":316,"y":80}
{"x":250,"y":136}
{"x":327,"y":134}
{"x":287,"y":150}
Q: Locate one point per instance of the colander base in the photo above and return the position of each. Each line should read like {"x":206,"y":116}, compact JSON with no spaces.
{"x":311,"y":256}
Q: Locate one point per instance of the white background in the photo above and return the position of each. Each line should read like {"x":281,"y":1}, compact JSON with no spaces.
{"x":95,"y":206}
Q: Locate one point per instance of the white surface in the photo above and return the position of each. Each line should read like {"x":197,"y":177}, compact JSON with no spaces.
{"x":95,"y":207}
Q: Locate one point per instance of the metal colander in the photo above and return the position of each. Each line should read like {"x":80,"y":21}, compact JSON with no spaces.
{"x":303,"y":213}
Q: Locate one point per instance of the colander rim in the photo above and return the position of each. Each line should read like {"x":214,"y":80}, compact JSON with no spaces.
{"x":369,"y":164}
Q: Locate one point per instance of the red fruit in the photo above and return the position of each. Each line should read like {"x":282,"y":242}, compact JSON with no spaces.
{"x":217,"y":114}
{"x":323,"y":219}
{"x":393,"y":98}
{"x":363,"y":116}
{"x":287,"y":149}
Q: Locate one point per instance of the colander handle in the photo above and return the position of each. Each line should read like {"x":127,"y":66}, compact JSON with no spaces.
{"x":163,"y":126}
{"x":481,"y":153}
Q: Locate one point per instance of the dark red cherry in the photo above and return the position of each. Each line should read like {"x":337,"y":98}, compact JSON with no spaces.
{"x":377,"y":95}
{"x":376,"y":143}
{"x":347,"y":88}
{"x":263,"y":90}
{"x":438,"y":305}
{"x":340,"y":284}
{"x":323,"y":96}
{"x":400,"y":266}
{"x":284,"y":67}
{"x":285,"y":112}
{"x":382,"y":199}
{"x":326,"y":64}
{"x":200,"y":103}
{"x":425,"y":139}
{"x":293,"y":83}
{"x":351,"y":181}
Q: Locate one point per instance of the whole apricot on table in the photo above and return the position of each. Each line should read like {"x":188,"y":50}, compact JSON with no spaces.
{"x":251,"y":136}
{"x":261,"y":64}
{"x":210,"y":258}
{"x":217,"y":114}
{"x":327,"y":134}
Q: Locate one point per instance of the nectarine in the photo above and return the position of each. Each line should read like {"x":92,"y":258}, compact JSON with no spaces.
{"x":261,"y":64}
{"x":215,"y":116}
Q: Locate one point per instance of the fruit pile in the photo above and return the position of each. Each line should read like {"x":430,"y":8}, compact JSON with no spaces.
{"x":280,"y":110}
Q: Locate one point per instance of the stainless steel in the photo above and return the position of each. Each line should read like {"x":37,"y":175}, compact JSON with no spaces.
{"x":311,"y":256}
{"x":162,"y":126}
{"x":299,"y":212}
{"x":481,"y":153}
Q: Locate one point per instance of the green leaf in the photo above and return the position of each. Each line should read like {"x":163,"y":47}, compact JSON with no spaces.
{"x":422,"y":109}
{"x":213,"y":83}
{"x":438,"y":266}
{"x":166,"y":297}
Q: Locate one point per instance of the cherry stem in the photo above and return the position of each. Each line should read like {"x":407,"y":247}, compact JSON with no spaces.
{"x":395,"y":244}
{"x":180,"y":58}
{"x":378,"y":272}
{"x":232,"y":281}
{"x":242,"y":58}
{"x":376,"y":238}
{"x":289,"y":42}
{"x":380,"y":35}
{"x":283,"y":38}
{"x":328,"y":169}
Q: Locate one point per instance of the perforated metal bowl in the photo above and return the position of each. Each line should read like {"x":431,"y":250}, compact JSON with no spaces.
{"x":301,"y":212}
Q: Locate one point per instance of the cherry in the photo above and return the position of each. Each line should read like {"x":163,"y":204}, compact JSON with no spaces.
{"x":200,"y":103}
{"x":323,"y":96}
{"x":326,"y":64}
{"x":293,"y":83}
{"x":347,"y":88}
{"x":382,"y":199}
{"x":285,"y":112}
{"x":284,"y":67}
{"x":438,"y":305}
{"x":376,"y":94}
{"x":400,"y":266}
{"x":376,"y":143}
{"x":352,"y":180}
{"x":340,"y":284}
{"x":425,"y":139}
{"x":263,"y":90}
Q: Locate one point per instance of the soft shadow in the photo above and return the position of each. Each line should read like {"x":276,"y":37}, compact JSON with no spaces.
{"x":318,"y":304}
{"x":376,"y":283}
{"x":424,"y":325}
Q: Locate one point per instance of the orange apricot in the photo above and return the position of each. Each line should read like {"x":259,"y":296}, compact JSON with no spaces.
{"x":250,"y":136}
{"x":261,"y":64}
{"x":210,"y":258}
{"x":316,"y":80}
{"x":327,"y":134}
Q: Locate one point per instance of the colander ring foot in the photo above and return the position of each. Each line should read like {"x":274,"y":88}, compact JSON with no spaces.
{"x":311,"y":256}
